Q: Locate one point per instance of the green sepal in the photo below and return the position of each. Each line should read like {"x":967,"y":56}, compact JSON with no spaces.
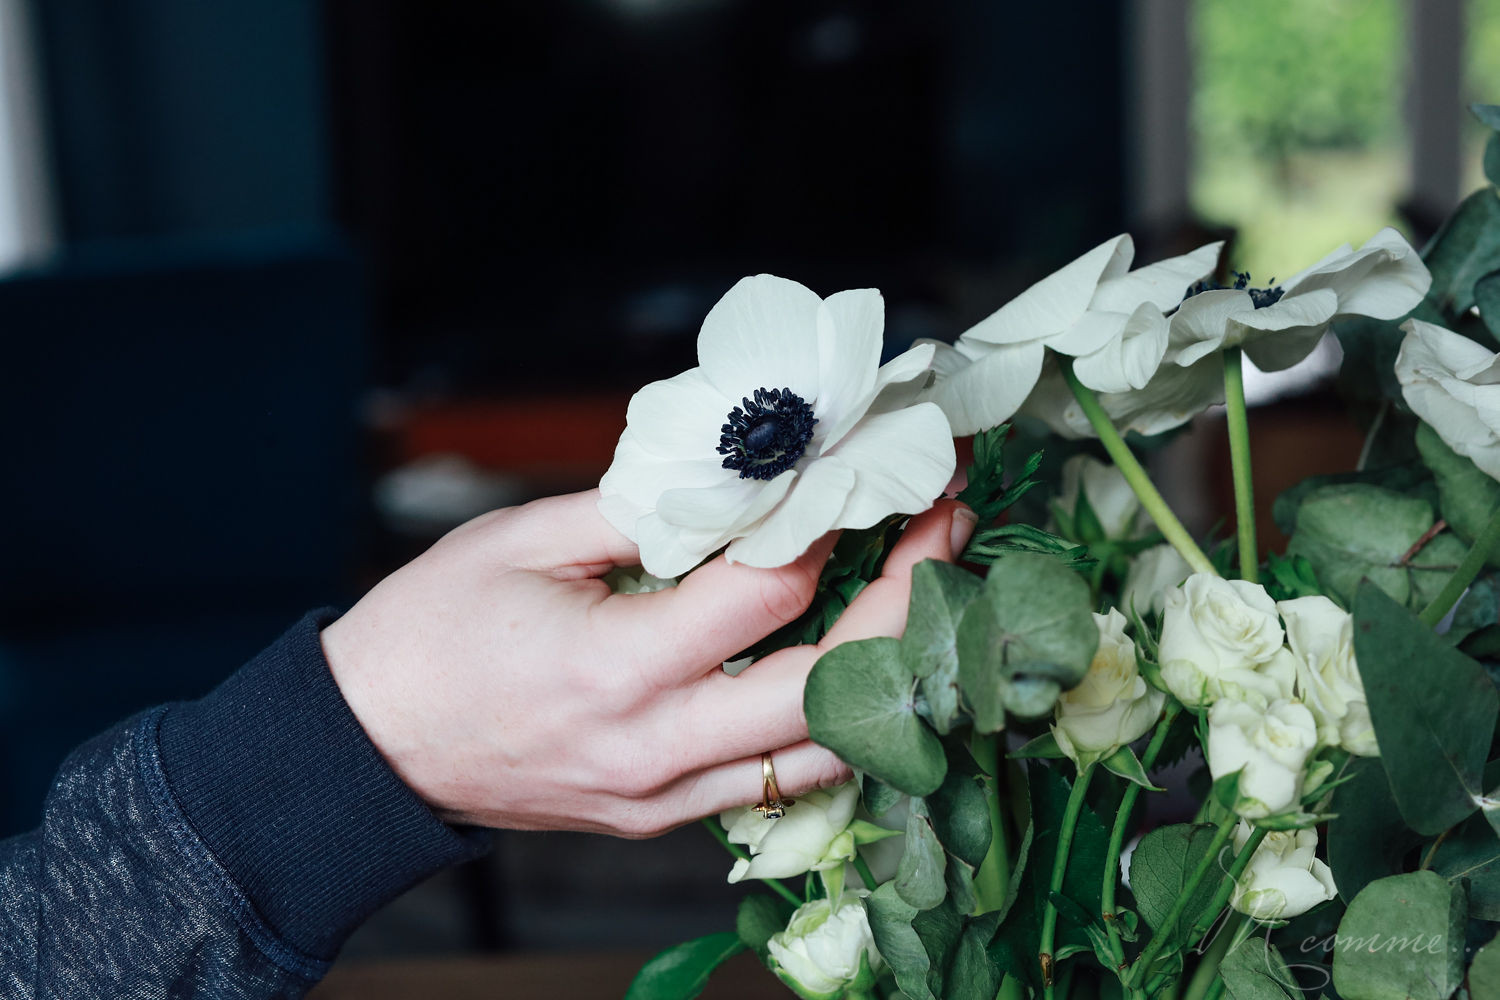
{"x":1044,"y":747}
{"x":866,"y":832}
{"x":1124,"y":763}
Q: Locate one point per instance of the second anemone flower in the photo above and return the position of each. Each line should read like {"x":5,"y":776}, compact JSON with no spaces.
{"x":790,"y":427}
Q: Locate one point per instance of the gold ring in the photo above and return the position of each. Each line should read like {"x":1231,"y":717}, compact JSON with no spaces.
{"x":772,"y":805}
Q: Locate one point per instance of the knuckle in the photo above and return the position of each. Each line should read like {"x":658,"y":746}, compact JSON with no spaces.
{"x":787,"y":592}
{"x":632,"y":770}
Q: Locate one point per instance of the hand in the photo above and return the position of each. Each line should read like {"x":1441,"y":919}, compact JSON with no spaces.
{"x":509,"y":688}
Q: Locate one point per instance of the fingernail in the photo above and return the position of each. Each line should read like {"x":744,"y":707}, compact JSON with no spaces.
{"x":962,"y":529}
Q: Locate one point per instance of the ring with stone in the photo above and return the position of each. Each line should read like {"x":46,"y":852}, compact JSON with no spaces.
{"x":772,"y":805}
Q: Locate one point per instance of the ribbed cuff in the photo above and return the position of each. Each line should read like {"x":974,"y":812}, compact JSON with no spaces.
{"x":285,"y":789}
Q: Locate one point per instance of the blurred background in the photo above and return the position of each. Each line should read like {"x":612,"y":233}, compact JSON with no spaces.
{"x":290,"y":288}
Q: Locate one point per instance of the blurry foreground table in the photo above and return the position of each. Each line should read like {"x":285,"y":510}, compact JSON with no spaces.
{"x":555,"y":976}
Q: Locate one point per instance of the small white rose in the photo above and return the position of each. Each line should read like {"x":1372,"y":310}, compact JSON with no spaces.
{"x":1285,"y":879}
{"x":1110,"y":497}
{"x":1321,"y":636}
{"x":1454,"y":385}
{"x":1113,"y":705}
{"x":1268,"y":745}
{"x":812,"y":836}
{"x":827,"y":949}
{"x":635,"y":580}
{"x":1222,"y":638}
{"x":1152,"y":575}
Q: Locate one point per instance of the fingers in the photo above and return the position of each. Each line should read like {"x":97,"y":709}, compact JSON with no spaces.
{"x":800,"y":768}
{"x":717,"y":611}
{"x":558,"y":534}
{"x":880,"y":609}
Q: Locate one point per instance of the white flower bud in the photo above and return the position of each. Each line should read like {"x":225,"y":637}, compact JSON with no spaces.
{"x":812,"y":836}
{"x":1113,"y":705}
{"x":826,"y":949}
{"x":1152,"y":575}
{"x":1285,"y":879}
{"x":1221,"y":638}
{"x":1269,"y":747}
{"x":1110,"y":497}
{"x":1321,"y":636}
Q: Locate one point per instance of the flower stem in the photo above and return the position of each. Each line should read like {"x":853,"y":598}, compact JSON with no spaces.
{"x":713,"y":827}
{"x":1060,"y":869}
{"x":1160,"y":939}
{"x":1239,"y":460}
{"x":1467,"y":570}
{"x":1166,"y":521}
{"x":1226,"y":888}
{"x":992,"y":881}
{"x":1208,"y":969}
{"x":1117,"y":836}
{"x":865,"y":875}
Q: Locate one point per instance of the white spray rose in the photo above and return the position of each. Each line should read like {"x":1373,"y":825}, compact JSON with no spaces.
{"x":636,"y":580}
{"x":1113,"y":705}
{"x":814,"y":835}
{"x":1268,"y":745}
{"x":1454,"y":385}
{"x":1110,"y":497}
{"x":1152,"y":574}
{"x":1285,"y":879}
{"x":1222,"y":638}
{"x":827,"y":949}
{"x":1321,"y":636}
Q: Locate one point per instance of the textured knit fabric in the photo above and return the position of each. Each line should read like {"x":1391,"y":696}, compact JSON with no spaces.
{"x":221,"y":848}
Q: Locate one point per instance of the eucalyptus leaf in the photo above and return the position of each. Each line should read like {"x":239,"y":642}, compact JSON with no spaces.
{"x":1478,"y":609}
{"x":1487,"y":288}
{"x":878,"y":797}
{"x":1491,"y":160}
{"x":960,"y":815}
{"x":1484,"y":972}
{"x":681,"y":972}
{"x":898,"y":942}
{"x":1030,"y":635}
{"x":973,"y":975}
{"x":919,"y":876}
{"x":939,"y":929}
{"x":859,"y":704}
{"x":940,"y":592}
{"x":1402,"y":939}
{"x":1472,"y":853}
{"x":1256,"y":971}
{"x":1466,"y":248}
{"x":1159,"y":871}
{"x":1367,"y":839}
{"x":759,"y":917}
{"x":1433,"y":723}
{"x":1466,"y":496}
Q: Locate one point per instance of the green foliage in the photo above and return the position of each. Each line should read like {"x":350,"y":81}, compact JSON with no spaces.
{"x":1367,"y":839}
{"x":1402,"y":939}
{"x":929,"y":648}
{"x":1484,"y":973}
{"x":1472,"y":854}
{"x":1256,"y":971}
{"x":1029,"y":636}
{"x":921,"y":876}
{"x":1159,"y":870}
{"x":758,"y":918}
{"x":1467,"y":497}
{"x":987,"y":492}
{"x":681,"y":972}
{"x":1433,"y":708}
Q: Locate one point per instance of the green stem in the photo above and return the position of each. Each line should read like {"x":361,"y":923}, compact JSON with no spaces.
{"x":1239,"y":460}
{"x":1161,"y":938}
{"x":1208,"y":969}
{"x":1166,"y":521}
{"x":714,"y":828}
{"x":992,"y":881}
{"x":1226,"y":888}
{"x":1216,"y":990}
{"x":1060,"y":869}
{"x":1118,"y":831}
{"x":866,"y":876}
{"x":1467,"y":570}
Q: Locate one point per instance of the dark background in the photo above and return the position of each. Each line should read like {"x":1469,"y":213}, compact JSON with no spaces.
{"x":303,"y":243}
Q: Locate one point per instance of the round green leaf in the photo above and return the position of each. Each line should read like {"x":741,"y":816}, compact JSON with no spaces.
{"x":1484,"y":973}
{"x":681,"y":972}
{"x":859,"y":704}
{"x":1402,"y":939}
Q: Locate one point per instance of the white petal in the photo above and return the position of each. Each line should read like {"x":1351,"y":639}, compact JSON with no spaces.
{"x":667,"y":550}
{"x":897,"y":383}
{"x":1163,"y":284}
{"x":850,"y":335}
{"x":679,"y":417}
{"x":809,"y":510}
{"x":1093,"y":330}
{"x":637,"y":477}
{"x":987,"y":392}
{"x":1055,"y":303}
{"x":1385,"y":278}
{"x":1173,"y":397}
{"x":901,"y":460}
{"x":1279,"y":336}
{"x":762,"y":334}
{"x":724,"y":507}
{"x":1128,"y":361}
{"x":1201,"y":325}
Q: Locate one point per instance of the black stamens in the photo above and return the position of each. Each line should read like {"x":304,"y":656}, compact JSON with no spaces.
{"x":767,"y":434}
{"x":1259,"y":297}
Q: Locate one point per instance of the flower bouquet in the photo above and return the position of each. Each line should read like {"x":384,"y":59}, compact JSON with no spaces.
{"x":1325,"y":718}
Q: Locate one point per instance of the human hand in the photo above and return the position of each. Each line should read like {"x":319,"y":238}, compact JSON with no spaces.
{"x":509,"y":688}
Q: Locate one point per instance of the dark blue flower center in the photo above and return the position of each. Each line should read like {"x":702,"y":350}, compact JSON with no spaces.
{"x":1259,"y":297}
{"x":766,"y":434}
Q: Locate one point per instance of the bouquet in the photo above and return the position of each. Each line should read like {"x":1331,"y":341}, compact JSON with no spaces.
{"x":1332,"y":707}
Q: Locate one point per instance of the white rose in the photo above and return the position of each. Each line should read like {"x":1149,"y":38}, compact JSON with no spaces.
{"x":1285,"y":879}
{"x":1113,"y":705}
{"x":1110,"y":497}
{"x":827,"y":949}
{"x":813,"y":835}
{"x":1152,"y":574}
{"x":1221,"y":637}
{"x":636,"y":580}
{"x":1321,"y":636}
{"x":1454,"y":385}
{"x":1268,"y":745}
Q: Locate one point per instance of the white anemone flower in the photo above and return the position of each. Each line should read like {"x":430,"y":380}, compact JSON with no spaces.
{"x":1453,"y":384}
{"x":1095,"y":309}
{"x":1279,"y":326}
{"x":781,"y":434}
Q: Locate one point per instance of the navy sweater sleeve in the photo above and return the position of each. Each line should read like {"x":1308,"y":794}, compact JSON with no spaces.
{"x":219,"y":848}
